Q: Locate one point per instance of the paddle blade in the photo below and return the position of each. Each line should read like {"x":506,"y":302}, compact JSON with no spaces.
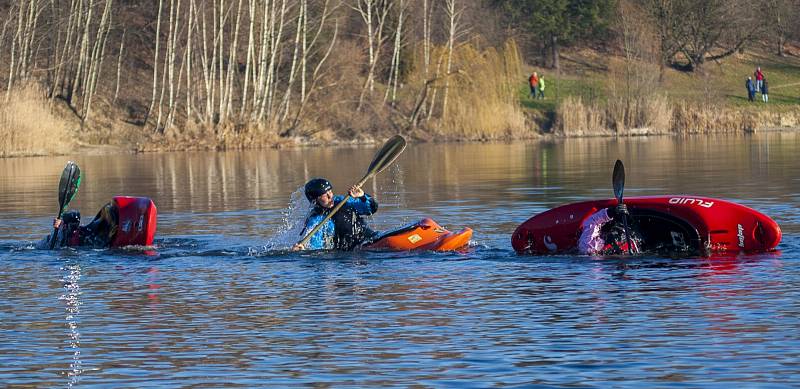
{"x":618,"y":180}
{"x":386,"y":155}
{"x":68,"y":185}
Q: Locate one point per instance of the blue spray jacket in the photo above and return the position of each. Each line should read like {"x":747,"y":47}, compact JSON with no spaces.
{"x":346,"y":229}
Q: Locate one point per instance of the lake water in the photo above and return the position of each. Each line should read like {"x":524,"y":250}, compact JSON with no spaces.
{"x":220,"y":302}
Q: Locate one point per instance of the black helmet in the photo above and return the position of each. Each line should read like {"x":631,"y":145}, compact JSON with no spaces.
{"x":317,"y":187}
{"x":71,"y":217}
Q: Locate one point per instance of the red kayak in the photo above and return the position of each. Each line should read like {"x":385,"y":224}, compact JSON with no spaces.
{"x":136,"y":221}
{"x":680,"y":223}
{"x":425,"y":234}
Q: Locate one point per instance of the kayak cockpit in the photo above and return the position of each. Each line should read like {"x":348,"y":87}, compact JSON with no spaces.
{"x":665,"y":233}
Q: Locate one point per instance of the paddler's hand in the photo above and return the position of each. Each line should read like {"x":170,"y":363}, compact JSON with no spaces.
{"x":356,"y":191}
{"x":56,"y":223}
{"x":298,"y":247}
{"x":618,"y":212}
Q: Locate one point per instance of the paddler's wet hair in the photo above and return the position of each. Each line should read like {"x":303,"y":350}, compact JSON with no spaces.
{"x":317,"y":187}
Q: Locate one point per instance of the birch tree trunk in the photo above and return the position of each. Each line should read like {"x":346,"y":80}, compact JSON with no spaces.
{"x":375,"y":39}
{"x":13,"y":52}
{"x":395,"y":69}
{"x":96,"y":60}
{"x":293,"y":70}
{"x":427,"y":11}
{"x":232,"y":65}
{"x":188,"y":59}
{"x":207,"y":73}
{"x":61,"y":67}
{"x":155,"y":62}
{"x":8,"y":21}
{"x":167,"y":61}
{"x":172,"y":81}
{"x":78,"y":85}
{"x":119,"y":65}
{"x":314,"y":80}
{"x":453,"y":16}
{"x":251,"y":9}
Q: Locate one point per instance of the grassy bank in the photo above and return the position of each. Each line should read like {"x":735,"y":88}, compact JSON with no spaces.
{"x":601,"y":102}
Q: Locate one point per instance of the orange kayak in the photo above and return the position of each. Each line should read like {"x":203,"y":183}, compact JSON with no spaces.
{"x":425,"y":234}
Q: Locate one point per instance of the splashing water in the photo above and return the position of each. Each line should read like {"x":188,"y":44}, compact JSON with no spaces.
{"x":292,"y":220}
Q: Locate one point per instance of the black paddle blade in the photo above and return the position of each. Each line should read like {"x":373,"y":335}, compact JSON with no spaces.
{"x":386,"y":155}
{"x":618,"y":180}
{"x":68,"y":185}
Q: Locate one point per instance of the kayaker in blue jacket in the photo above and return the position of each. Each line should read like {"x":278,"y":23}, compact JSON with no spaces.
{"x":346,"y":229}
{"x":603,"y":233}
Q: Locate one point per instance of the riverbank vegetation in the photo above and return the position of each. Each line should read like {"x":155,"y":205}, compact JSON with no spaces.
{"x":194,"y":74}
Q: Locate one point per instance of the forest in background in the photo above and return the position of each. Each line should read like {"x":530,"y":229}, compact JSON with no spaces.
{"x":222,"y":74}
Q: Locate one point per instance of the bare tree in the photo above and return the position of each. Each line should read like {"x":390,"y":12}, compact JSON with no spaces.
{"x":394,"y":71}
{"x":119,"y":64}
{"x":780,"y":17}
{"x":155,"y":61}
{"x":667,"y":16}
{"x":454,"y":12}
{"x":374,"y":15}
{"x":96,"y":61}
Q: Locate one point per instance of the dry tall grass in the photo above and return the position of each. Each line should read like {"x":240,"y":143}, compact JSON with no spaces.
{"x":575,"y":118}
{"x":29,"y":127}
{"x":660,"y":116}
{"x":482,"y":97}
{"x":693,"y":118}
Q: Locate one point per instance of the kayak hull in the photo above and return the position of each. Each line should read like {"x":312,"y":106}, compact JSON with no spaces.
{"x":137,"y":219}
{"x":701,"y":225}
{"x":424,"y":235}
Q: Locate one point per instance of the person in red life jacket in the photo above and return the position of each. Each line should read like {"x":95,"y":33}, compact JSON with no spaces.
{"x":346,"y":229}
{"x":533,"y":80}
{"x":603,"y":233}
{"x":99,"y":233}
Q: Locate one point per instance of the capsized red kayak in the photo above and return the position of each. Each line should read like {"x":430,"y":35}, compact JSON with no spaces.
{"x":425,"y":234}
{"x":136,"y":221}
{"x":687,"y":223}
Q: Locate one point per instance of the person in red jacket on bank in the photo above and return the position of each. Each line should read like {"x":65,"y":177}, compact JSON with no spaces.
{"x":533,"y":80}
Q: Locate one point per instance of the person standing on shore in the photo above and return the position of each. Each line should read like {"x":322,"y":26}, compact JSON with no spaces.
{"x":759,"y":78}
{"x":751,"y":89}
{"x":765,"y":91}
{"x":541,"y":87}
{"x":533,"y":80}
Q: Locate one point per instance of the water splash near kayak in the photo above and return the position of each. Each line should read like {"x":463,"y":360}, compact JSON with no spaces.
{"x":288,"y":232}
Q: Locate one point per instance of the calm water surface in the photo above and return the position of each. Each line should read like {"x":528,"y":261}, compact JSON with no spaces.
{"x":220,"y":302}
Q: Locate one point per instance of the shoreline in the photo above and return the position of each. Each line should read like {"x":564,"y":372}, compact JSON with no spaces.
{"x":301,"y":143}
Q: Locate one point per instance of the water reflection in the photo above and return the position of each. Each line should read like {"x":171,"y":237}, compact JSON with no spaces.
{"x":72,"y":304}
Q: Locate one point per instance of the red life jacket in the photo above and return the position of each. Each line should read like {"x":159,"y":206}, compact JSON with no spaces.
{"x":616,"y":248}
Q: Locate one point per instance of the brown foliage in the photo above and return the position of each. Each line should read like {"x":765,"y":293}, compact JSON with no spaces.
{"x":29,"y":126}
